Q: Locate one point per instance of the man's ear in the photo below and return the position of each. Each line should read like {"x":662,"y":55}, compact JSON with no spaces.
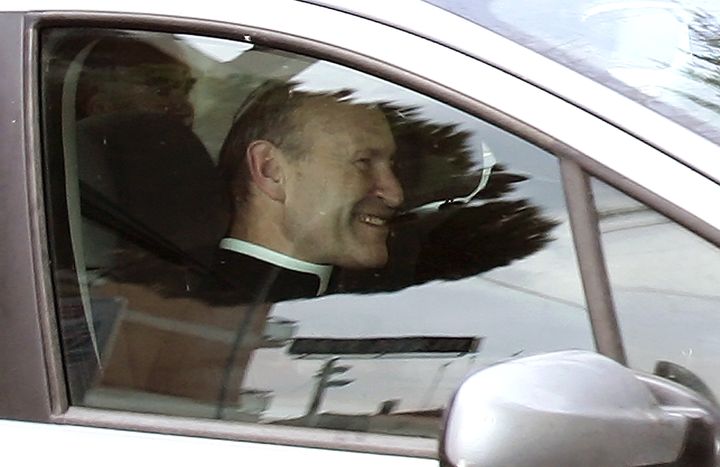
{"x":266,"y":169}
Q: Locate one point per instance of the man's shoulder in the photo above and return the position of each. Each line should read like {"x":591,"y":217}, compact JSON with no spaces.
{"x":241,"y":278}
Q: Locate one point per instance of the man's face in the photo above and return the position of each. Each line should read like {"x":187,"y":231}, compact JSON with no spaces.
{"x":151,"y":88}
{"x":341,"y":193}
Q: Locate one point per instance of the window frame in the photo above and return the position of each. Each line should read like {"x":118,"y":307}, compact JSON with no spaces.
{"x":576,"y":166}
{"x":25,"y":394}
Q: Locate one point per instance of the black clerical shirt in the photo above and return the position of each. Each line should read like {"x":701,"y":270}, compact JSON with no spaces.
{"x":250,"y":273}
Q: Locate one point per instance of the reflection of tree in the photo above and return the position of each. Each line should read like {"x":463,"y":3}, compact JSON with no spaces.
{"x":429,"y":155}
{"x":435,"y":162}
{"x":705,"y":68}
{"x":477,"y":239}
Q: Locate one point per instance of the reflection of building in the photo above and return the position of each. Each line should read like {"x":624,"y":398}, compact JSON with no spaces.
{"x":332,"y":349}
{"x":181,"y":356}
{"x":247,"y":407}
{"x":252,"y":403}
{"x":425,"y":424}
{"x":278,"y":332}
{"x":376,"y":347}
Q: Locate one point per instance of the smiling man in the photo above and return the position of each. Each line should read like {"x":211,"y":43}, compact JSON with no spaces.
{"x":312,"y":184}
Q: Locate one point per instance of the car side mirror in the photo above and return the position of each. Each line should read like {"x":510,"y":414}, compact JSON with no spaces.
{"x":576,"y":408}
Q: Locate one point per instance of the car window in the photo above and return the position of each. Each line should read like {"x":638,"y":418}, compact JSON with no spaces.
{"x":664,"y":281}
{"x":249,"y":234}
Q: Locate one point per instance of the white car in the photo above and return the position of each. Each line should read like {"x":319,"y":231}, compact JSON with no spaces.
{"x":549,"y":295}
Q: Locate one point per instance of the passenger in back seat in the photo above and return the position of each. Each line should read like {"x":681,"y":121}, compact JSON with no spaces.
{"x":145,"y":176}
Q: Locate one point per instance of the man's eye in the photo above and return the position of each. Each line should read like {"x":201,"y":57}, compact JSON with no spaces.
{"x":363,"y":163}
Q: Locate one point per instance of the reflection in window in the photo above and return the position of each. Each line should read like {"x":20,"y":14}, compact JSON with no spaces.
{"x":664,"y":281}
{"x":260,"y":236}
{"x":666,"y":50}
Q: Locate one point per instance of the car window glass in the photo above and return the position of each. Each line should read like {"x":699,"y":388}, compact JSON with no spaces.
{"x":250,"y":234}
{"x":664,"y":281}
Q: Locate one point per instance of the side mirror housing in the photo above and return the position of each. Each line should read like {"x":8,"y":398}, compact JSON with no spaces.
{"x":576,"y":408}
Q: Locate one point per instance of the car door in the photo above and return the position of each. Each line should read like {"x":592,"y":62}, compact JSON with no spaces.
{"x":362,"y":374}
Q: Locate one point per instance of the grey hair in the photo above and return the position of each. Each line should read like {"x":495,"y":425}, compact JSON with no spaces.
{"x":268,"y":113}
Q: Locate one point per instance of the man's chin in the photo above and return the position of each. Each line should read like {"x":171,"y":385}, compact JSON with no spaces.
{"x":368,"y":260}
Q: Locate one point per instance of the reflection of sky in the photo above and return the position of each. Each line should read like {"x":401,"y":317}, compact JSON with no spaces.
{"x":666,"y":288}
{"x":219,"y":50}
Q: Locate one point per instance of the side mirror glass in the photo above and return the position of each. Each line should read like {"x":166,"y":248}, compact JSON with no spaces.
{"x":575,"y":408}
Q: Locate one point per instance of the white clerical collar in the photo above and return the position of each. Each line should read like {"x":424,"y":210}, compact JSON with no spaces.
{"x":322,"y":271}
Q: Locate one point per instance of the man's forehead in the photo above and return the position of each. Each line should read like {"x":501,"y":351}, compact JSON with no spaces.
{"x":328,"y":114}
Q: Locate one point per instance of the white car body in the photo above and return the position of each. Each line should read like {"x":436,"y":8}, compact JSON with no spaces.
{"x":429,"y":47}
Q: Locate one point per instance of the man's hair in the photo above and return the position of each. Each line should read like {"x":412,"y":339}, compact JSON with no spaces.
{"x":269,"y":113}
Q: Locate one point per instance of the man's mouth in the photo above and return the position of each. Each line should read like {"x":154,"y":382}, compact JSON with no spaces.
{"x":373,"y":220}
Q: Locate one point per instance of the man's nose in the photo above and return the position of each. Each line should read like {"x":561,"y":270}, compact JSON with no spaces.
{"x":388,"y":189}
